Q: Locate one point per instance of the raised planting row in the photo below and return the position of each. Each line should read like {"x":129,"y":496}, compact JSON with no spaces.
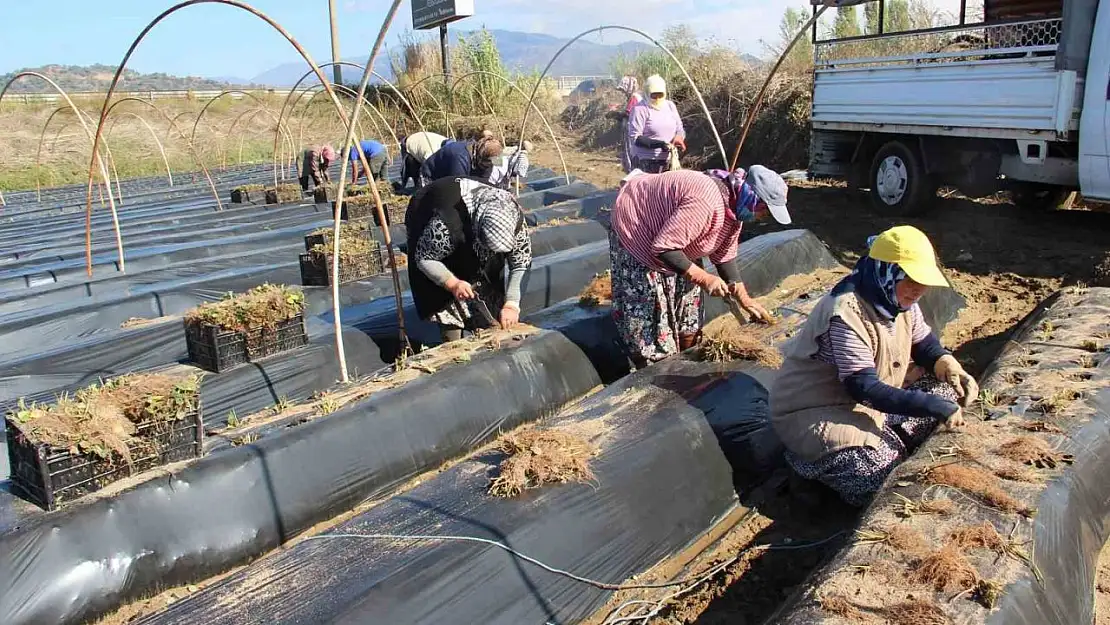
{"x":268,"y":491}
{"x":1004,"y":521}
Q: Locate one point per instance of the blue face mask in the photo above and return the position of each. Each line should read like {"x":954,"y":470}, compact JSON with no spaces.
{"x":746,"y":201}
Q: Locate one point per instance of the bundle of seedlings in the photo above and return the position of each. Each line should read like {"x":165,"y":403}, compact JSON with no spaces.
{"x":537,"y":457}
{"x":723,"y":339}
{"x":284,"y":193}
{"x":242,"y":194}
{"x":265,"y":320}
{"x":101,"y":434}
{"x":599,"y":291}
{"x":360,"y":255}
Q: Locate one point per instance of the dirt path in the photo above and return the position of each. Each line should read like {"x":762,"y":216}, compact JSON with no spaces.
{"x":1002,"y":260}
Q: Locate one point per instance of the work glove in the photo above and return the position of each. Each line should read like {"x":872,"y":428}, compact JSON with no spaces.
{"x":739,"y":293}
{"x":710,"y":283}
{"x":947,"y":369}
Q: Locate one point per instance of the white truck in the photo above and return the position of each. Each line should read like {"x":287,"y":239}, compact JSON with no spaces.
{"x":1018,"y":102}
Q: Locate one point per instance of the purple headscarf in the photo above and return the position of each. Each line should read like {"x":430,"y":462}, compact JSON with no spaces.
{"x":744,"y":197}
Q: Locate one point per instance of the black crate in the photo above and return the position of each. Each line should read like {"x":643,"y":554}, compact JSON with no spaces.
{"x":351,"y":213}
{"x":316,"y":270}
{"x":312,"y":240}
{"x":238,"y":196}
{"x":50,"y":476}
{"x":394,"y":214}
{"x":218,"y":350}
{"x":321,"y":195}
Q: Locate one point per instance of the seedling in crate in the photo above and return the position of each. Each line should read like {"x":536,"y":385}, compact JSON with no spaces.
{"x":265,"y":320}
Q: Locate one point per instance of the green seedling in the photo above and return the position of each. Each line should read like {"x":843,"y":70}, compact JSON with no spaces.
{"x":283,"y":404}
{"x":233,"y":419}
{"x":327,"y":404}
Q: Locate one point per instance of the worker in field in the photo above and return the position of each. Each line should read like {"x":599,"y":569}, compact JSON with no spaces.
{"x":842,"y":404}
{"x":513,"y":167}
{"x":630,"y":87}
{"x":314,"y":165}
{"x":464,"y":236}
{"x":463,"y":158}
{"x":376,"y":157}
{"x":662,"y":226}
{"x":415,"y":149}
{"x":655,"y":132}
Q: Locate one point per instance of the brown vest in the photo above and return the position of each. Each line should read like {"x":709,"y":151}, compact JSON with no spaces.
{"x":811,"y":410}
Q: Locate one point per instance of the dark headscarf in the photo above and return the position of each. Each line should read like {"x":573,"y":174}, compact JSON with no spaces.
{"x":875,"y":281}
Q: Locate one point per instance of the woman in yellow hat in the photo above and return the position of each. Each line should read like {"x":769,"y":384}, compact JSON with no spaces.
{"x":841,"y":405}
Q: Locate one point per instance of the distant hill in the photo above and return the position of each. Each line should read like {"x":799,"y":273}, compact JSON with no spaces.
{"x":519,"y":51}
{"x":78,"y":78}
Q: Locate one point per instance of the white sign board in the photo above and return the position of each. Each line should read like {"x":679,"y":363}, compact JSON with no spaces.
{"x":432,"y":13}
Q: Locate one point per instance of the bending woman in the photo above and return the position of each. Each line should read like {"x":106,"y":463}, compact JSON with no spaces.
{"x":838,"y":404}
{"x":465,"y":235}
{"x":662,"y":226}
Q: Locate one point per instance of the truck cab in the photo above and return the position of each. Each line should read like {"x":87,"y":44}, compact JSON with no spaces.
{"x":1019,"y":102}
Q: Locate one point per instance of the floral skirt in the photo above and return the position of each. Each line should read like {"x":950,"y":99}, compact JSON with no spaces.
{"x":857,"y":473}
{"x":651,"y":308}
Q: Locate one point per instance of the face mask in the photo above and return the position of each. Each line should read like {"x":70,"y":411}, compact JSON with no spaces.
{"x":746,"y":203}
{"x":658,"y":102}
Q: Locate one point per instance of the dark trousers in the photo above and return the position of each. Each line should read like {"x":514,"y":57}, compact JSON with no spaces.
{"x":410,"y":169}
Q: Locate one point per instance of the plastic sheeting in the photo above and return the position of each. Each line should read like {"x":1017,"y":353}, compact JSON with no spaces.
{"x":233,"y":505}
{"x":656,"y":430}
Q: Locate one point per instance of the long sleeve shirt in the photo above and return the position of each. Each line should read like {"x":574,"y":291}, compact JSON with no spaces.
{"x":664,"y":125}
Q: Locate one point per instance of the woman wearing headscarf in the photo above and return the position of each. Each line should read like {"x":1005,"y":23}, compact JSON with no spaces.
{"x":630,"y":87}
{"x":662,"y":226}
{"x":840,"y":404}
{"x":466,"y":235}
{"x":463,"y":158}
{"x":415,"y":149}
{"x":314,"y":166}
{"x":654,"y":129}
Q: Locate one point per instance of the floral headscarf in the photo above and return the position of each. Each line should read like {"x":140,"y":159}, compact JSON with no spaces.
{"x":743,"y":196}
{"x":875,"y":281}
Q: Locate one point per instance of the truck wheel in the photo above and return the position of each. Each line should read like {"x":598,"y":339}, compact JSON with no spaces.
{"x":899,"y":184}
{"x":1032,"y":196}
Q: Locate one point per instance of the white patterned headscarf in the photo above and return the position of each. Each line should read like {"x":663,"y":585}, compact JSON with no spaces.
{"x":495,"y":214}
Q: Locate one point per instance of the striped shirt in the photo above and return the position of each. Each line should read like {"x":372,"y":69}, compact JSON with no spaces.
{"x":677,"y":210}
{"x":846,"y":350}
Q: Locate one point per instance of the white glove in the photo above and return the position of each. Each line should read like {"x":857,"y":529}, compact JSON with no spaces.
{"x":948,"y":369}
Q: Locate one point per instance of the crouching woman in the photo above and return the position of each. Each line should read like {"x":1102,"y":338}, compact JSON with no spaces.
{"x":839,"y":405}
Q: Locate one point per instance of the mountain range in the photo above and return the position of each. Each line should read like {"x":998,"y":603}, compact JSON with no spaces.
{"x":519,"y":51}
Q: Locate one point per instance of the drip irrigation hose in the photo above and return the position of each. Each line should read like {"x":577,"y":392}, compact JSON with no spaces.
{"x":763,"y":90}
{"x":693,"y":579}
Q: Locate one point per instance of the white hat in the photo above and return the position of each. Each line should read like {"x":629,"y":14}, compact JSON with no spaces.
{"x":655,"y":84}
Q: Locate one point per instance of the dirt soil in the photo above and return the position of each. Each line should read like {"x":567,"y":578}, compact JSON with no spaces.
{"x":1004,"y":261}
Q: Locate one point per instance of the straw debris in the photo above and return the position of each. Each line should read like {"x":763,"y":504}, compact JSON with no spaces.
{"x":537,"y":457}
{"x":599,"y":291}
{"x":263,"y":306}
{"x":982,"y":536}
{"x":916,"y":612}
{"x":842,"y":607}
{"x":101,"y":419}
{"x":946,"y":569}
{"x":723,"y":340}
{"x":977,"y":482}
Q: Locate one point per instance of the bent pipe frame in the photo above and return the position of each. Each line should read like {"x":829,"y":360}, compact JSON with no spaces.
{"x":763,"y":90}
{"x":359,"y":97}
{"x":681,"y":67}
{"x":188,"y":144}
{"x":255,"y":112}
{"x":153,"y":135}
{"x":115,"y":82}
{"x":53,"y":147}
{"x":380,"y":211}
{"x":94,"y":158}
{"x":256,"y":99}
{"x":378,"y":123}
{"x":512,"y":85}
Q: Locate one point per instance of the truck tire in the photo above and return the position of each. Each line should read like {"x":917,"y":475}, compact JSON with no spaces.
{"x":1033,"y":196}
{"x":899,"y":184}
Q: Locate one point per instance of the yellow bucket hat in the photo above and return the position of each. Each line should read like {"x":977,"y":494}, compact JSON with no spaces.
{"x":911,"y":250}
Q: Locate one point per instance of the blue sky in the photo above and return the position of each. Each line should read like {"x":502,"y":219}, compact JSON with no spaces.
{"x":218,"y":40}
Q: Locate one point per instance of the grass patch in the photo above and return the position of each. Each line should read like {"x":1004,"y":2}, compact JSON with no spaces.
{"x":537,"y":457}
{"x":355,"y":242}
{"x":1058,"y":400}
{"x":1091,"y":345}
{"x":101,"y":419}
{"x":263,"y":306}
{"x":599,"y":291}
{"x":250,"y":188}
